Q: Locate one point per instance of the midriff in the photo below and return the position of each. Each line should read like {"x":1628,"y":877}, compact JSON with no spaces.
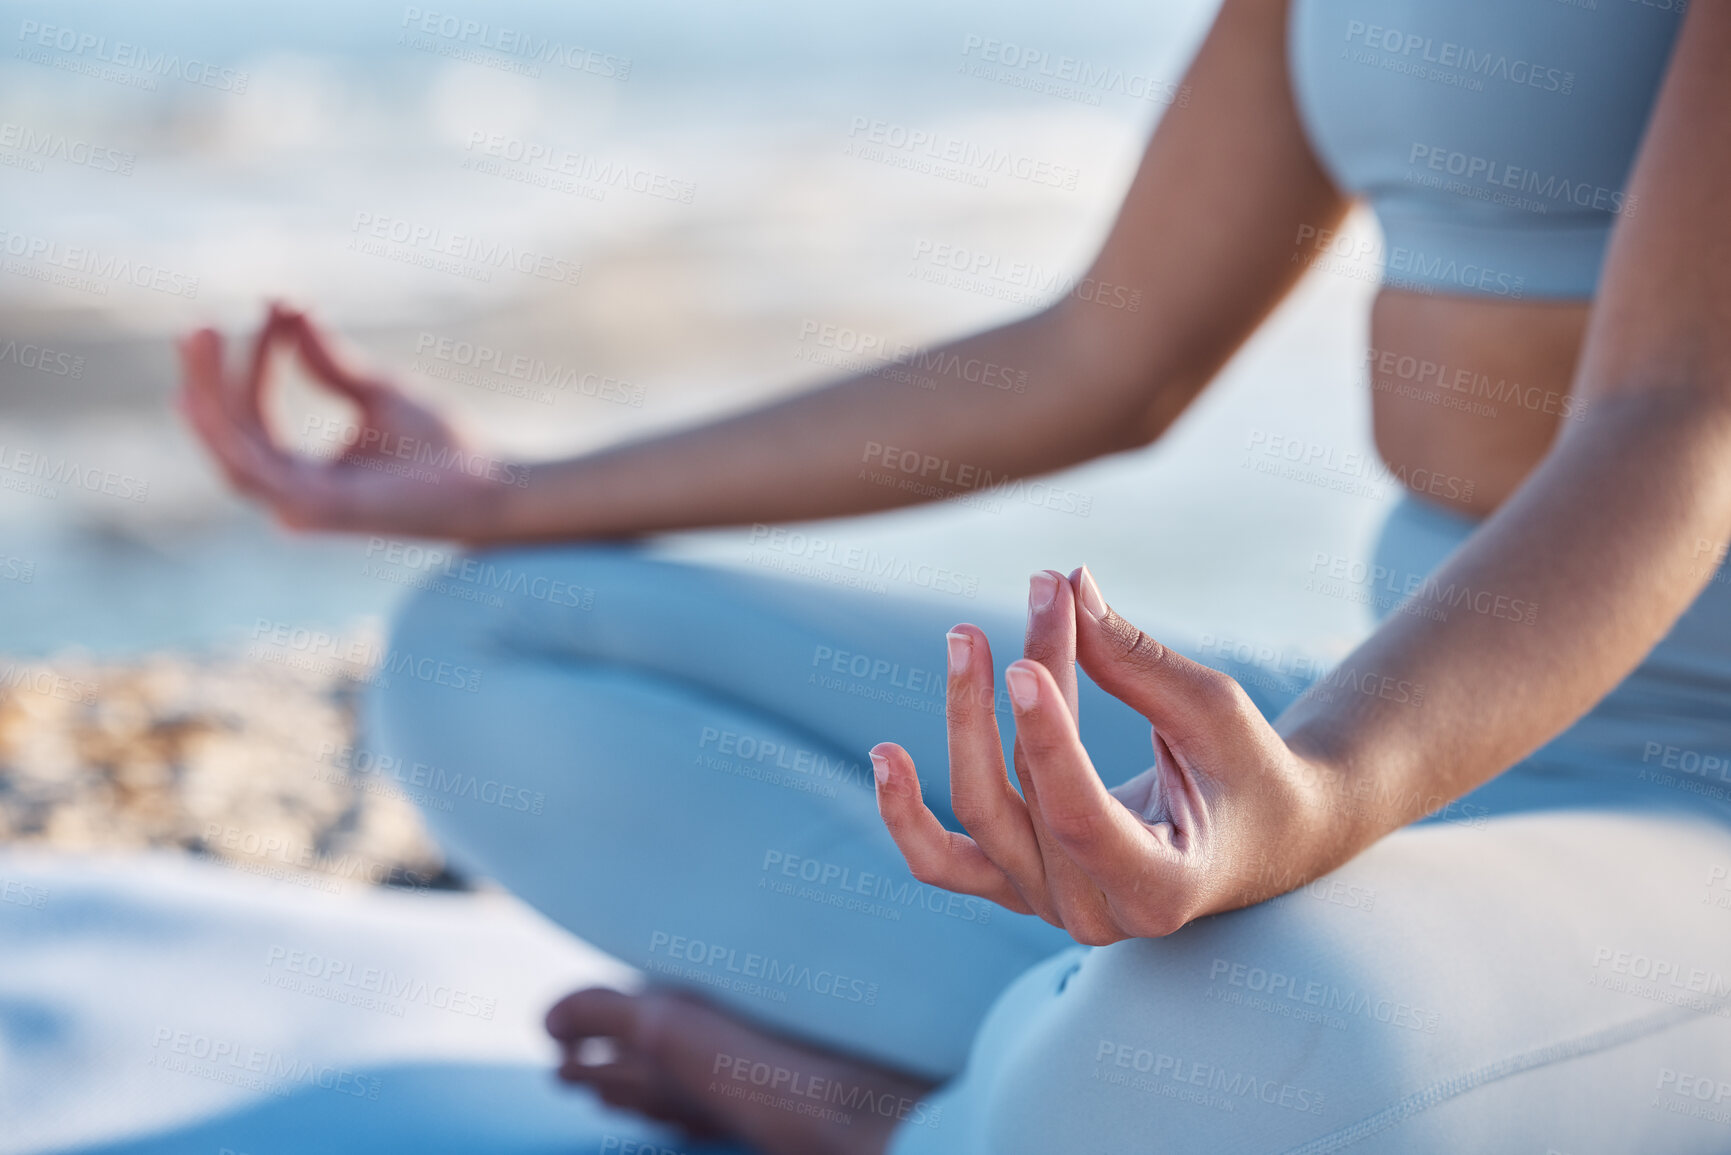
{"x":1467,"y":394}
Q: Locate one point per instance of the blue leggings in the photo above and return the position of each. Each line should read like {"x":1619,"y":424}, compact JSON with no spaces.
{"x":670,"y":761}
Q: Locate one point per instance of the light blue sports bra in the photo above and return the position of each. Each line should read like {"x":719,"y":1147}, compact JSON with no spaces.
{"x":1492,"y":137}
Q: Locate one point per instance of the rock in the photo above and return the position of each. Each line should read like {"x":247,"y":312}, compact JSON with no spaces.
{"x":212,"y":754}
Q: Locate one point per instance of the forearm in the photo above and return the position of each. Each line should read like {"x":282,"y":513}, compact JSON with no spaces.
{"x":1603,"y":548}
{"x":1205,"y":240}
{"x":1023,"y":399}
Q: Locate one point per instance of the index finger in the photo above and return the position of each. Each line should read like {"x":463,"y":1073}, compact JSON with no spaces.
{"x":1096,"y":832}
{"x":1051,"y":635}
{"x":980,"y":792}
{"x":326,"y":364}
{"x":245,"y":397}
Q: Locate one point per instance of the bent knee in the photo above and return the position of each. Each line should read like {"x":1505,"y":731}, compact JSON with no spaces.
{"x":498,"y":599}
{"x":1243,"y":1032}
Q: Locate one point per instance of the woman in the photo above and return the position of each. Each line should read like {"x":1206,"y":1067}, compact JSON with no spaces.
{"x":1540,"y":965}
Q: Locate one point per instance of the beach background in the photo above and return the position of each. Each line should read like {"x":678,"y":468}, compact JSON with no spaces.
{"x":724,"y":202}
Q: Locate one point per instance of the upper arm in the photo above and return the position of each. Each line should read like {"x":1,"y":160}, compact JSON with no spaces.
{"x":1206,"y":232}
{"x":1662,"y":319}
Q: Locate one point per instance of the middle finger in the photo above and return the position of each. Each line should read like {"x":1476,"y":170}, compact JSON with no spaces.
{"x":980,"y":792}
{"x":1051,"y":641}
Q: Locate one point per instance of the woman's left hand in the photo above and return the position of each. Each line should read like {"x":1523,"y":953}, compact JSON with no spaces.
{"x":1228,"y":814}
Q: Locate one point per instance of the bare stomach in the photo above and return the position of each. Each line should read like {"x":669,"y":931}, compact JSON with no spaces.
{"x":1467,"y":394}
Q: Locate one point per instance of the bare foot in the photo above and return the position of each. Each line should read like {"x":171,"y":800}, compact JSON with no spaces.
{"x":675,"y":1058}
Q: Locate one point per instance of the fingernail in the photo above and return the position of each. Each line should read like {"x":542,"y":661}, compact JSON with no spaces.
{"x":880,"y":768}
{"x":1042,"y":588}
{"x":1024,"y":688}
{"x":961,"y":649}
{"x":1091,"y":599}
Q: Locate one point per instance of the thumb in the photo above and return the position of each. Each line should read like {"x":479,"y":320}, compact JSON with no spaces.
{"x":1178,"y":695}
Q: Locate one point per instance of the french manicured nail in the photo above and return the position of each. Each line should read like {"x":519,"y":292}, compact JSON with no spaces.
{"x":1091,"y":599}
{"x":880,"y":768}
{"x":1042,"y":588}
{"x":961,"y":649}
{"x":1024,"y":687}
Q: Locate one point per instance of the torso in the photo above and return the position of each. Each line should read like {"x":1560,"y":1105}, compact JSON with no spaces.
{"x":1494,"y":139}
{"x":1468,"y":393}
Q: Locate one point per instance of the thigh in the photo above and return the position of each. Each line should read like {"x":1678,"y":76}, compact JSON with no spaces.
{"x":839,"y":667}
{"x":1545,"y":982}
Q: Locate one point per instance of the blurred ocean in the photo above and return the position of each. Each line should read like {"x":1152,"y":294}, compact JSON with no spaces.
{"x":716,"y":203}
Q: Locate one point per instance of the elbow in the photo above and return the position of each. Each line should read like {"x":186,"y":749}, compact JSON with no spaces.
{"x":1145,"y":414}
{"x":1129,"y":381}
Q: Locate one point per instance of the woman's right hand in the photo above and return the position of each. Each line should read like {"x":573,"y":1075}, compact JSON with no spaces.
{"x":401,"y":468}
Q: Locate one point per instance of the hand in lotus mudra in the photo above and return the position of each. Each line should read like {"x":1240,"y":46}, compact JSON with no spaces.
{"x":402,"y":469}
{"x":1136,"y":861}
